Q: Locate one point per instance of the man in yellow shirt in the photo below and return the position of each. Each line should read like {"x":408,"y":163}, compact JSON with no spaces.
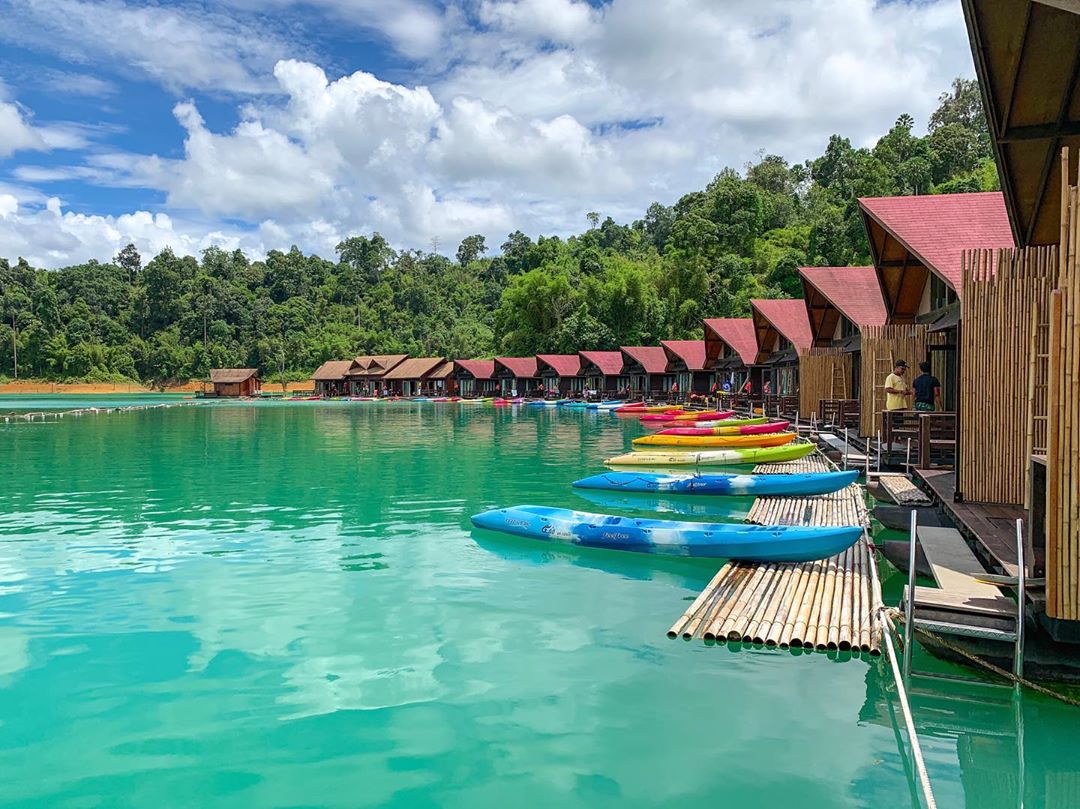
{"x":897,"y":389}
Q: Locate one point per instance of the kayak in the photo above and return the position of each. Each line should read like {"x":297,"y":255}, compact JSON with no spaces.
{"x":573,"y":405}
{"x":605,"y":405}
{"x":777,"y":543}
{"x":809,"y":483}
{"x":545,"y":402}
{"x":661,"y":417}
{"x":725,"y":423}
{"x":716,"y":457}
{"x":709,"y":441}
{"x":744,"y":429}
{"x":644,"y":408}
{"x":708,"y":415}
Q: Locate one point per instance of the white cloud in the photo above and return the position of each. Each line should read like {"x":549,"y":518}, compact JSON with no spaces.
{"x":15,"y":132}
{"x":549,"y":109}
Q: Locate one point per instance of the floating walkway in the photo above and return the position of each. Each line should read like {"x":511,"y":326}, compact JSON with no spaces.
{"x":825,"y":604}
{"x":902,"y":491}
{"x":56,"y":415}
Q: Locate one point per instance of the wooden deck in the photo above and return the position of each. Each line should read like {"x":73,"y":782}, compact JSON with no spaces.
{"x":901,"y":490}
{"x":991,"y":527}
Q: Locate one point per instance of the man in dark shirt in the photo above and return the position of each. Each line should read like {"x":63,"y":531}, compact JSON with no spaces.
{"x":927,"y":390}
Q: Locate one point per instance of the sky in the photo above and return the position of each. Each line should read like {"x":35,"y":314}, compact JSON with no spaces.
{"x":262,"y":124}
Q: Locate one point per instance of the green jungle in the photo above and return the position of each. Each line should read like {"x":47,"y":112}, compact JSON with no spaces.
{"x":742,"y":237}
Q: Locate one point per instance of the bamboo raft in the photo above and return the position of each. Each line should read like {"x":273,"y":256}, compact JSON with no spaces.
{"x":811,"y":463}
{"x":902,"y":491}
{"x":813,"y":605}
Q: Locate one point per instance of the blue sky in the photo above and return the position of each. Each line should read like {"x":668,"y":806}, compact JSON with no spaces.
{"x":264,"y":124}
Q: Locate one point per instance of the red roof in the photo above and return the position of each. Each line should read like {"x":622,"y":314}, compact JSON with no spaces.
{"x":855,"y":291}
{"x":610,"y":363}
{"x":788,"y":316}
{"x":937,"y":228}
{"x":521,"y":367}
{"x":561,"y":364}
{"x":652,"y":358}
{"x":738,"y":333}
{"x":691,"y":352}
{"x":480,"y":369}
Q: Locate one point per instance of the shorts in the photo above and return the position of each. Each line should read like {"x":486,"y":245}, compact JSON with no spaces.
{"x":925,"y":407}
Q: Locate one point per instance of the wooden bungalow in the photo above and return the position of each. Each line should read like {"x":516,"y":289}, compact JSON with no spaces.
{"x":235,"y":381}
{"x":731,"y":352}
{"x":333,"y":378}
{"x":840,"y":301}
{"x":646,"y":367}
{"x":517,"y":374}
{"x":561,"y":372}
{"x":443,"y":380}
{"x":783,"y":335}
{"x":603,"y":371}
{"x":410,"y":376}
{"x":686,"y":361}
{"x":367,"y":373}
{"x":476,"y":378}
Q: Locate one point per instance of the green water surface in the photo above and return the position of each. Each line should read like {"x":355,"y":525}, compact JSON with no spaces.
{"x":283,"y":605}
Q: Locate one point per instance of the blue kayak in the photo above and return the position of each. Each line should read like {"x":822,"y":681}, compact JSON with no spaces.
{"x":545,"y":403}
{"x":779,"y":543}
{"x":569,"y":405}
{"x":609,"y":405}
{"x":758,"y":485}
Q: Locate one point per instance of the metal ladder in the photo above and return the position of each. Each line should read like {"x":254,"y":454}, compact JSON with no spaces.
{"x":1016,"y":637}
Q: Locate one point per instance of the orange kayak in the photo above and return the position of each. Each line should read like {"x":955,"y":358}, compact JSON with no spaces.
{"x":709,"y":441}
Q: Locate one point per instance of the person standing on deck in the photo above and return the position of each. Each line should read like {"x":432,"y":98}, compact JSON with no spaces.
{"x":927,"y":390}
{"x":897,"y":391}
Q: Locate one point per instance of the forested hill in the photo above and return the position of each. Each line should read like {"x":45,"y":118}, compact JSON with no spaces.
{"x":741,"y":237}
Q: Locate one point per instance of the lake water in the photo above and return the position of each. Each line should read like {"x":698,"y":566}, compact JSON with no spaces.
{"x":283,"y":605}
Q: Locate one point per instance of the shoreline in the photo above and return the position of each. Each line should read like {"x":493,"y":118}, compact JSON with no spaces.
{"x":38,"y":388}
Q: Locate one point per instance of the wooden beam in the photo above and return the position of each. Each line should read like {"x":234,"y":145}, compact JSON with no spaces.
{"x":1072,"y":6}
{"x":1047,"y":131}
{"x":1006,"y":111}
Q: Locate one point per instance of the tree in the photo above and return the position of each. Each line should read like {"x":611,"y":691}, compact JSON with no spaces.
{"x":129,"y":260}
{"x":470,"y":249}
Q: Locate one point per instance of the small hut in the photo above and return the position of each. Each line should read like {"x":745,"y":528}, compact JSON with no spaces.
{"x":603,"y":371}
{"x":476,"y":378}
{"x":517,"y":374}
{"x":646,"y":367}
{"x":731,"y":352}
{"x":235,"y":381}
{"x":443,"y":380}
{"x":561,"y":372}
{"x":410,"y":377}
{"x":332,"y":378}
{"x":783,"y":335}
{"x":686,"y":360}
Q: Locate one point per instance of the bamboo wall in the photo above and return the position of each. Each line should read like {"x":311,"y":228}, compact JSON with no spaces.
{"x":824,"y":373}
{"x":1003,"y":376}
{"x":881,"y":347}
{"x":1063,"y":450}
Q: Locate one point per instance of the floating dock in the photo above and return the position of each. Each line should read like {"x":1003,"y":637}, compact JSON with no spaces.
{"x":825,"y":604}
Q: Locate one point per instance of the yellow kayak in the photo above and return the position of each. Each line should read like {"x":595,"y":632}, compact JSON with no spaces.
{"x":709,"y":441}
{"x":715,"y":457}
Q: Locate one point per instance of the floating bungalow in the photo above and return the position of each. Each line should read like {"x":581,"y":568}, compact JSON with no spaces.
{"x":782,"y":332}
{"x":646,"y":368}
{"x":334,"y":377}
{"x":476,"y":378}
{"x":368,"y":372}
{"x":603,"y":371}
{"x":686,"y":361}
{"x":235,"y":381}
{"x":561,"y":372}
{"x":443,"y":380}
{"x":411,"y":376}
{"x":517,"y":374}
{"x":731,"y":352}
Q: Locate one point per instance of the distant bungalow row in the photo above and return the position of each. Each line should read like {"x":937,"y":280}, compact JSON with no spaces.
{"x":916,"y":244}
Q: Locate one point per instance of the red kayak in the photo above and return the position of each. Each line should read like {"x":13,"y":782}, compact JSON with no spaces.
{"x":710,"y":415}
{"x":746,"y":429}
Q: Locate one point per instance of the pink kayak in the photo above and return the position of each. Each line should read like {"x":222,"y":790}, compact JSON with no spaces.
{"x":746,"y":429}
{"x":710,"y":415}
{"x":660,"y":417}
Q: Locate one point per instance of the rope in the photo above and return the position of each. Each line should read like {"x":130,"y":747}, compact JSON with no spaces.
{"x":986,"y":664}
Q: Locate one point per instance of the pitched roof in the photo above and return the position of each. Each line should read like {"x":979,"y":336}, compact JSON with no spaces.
{"x":738,"y":333}
{"x":937,"y":228}
{"x":610,"y":363}
{"x":788,"y":317}
{"x":480,"y":369}
{"x":414,"y":368}
{"x":521,"y":367}
{"x":232,"y":376}
{"x":652,"y":358}
{"x":444,"y":371}
{"x":561,"y":364}
{"x":379,"y":364}
{"x":332,"y":371}
{"x":691,"y":352}
{"x":855,"y":291}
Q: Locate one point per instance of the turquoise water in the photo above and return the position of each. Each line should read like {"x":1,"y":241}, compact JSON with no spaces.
{"x":283,"y":605}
